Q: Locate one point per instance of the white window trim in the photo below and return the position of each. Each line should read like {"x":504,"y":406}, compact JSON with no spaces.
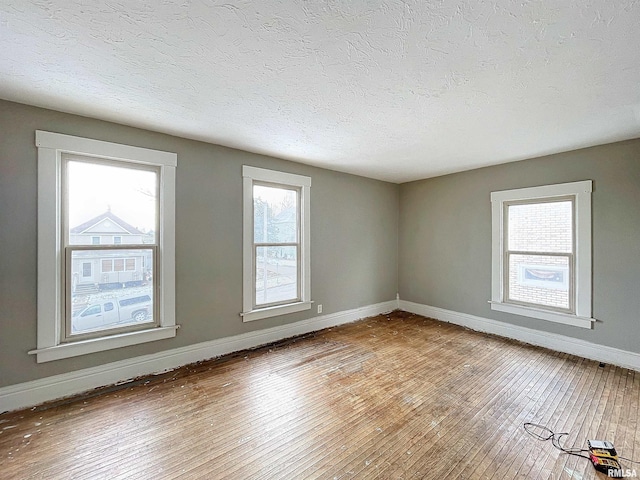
{"x":51,"y":147}
{"x":251,"y":175}
{"x":582,"y":194}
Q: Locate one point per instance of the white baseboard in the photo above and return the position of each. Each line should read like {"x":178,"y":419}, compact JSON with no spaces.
{"x":32,"y":393}
{"x":559,"y":343}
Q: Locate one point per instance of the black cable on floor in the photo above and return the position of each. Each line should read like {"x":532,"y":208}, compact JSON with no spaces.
{"x":544,"y":433}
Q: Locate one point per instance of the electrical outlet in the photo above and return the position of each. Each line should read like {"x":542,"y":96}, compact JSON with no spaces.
{"x":320,"y":308}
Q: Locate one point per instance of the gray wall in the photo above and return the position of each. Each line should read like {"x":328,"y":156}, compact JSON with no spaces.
{"x":445,"y":238}
{"x":354,"y":234}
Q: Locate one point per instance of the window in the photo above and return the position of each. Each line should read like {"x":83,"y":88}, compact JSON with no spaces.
{"x":79,"y":204}
{"x":118,"y":265}
{"x":276,"y":263}
{"x":542,"y":252}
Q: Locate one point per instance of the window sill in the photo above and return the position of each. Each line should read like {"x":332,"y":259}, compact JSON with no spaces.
{"x":66,"y":350}
{"x":274,"y":311}
{"x":557,"y":317}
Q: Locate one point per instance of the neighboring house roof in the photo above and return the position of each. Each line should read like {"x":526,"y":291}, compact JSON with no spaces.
{"x":110,"y":216}
{"x":288,"y":215}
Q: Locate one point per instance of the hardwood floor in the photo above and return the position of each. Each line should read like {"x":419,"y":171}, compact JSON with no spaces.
{"x":394,"y":396}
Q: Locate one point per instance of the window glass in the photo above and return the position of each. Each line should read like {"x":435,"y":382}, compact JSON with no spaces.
{"x":128,"y":293}
{"x":536,"y":229}
{"x":541,"y":227}
{"x":275,"y":214}
{"x":118,"y":203}
{"x":540,"y":279}
{"x":276,"y":274}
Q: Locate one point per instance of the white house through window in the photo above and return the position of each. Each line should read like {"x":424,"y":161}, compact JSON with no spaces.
{"x":92,"y":187}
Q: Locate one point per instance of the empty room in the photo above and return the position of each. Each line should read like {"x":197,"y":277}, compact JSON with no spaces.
{"x":338,"y":239}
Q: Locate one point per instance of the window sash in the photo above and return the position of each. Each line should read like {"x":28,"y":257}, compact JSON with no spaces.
{"x":67,"y":335}
{"x":298,"y":296}
{"x":123,"y":164}
{"x":507,"y":253}
{"x":257,"y":245}
{"x":506,"y":280}
{"x":117,"y":264}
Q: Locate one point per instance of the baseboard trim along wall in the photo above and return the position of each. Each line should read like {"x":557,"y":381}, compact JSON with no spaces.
{"x":559,"y":343}
{"x":32,"y":393}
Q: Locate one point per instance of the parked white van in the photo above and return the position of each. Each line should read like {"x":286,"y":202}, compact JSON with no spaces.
{"x":111,"y":312}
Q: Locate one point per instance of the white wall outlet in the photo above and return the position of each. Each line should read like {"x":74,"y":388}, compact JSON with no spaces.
{"x":320,"y":308}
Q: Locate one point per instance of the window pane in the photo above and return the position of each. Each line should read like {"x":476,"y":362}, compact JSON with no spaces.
{"x":110,"y":205}
{"x":110,"y":299}
{"x":275,"y":215}
{"x":276,"y":274}
{"x":541,"y":227}
{"x":540,"y":279}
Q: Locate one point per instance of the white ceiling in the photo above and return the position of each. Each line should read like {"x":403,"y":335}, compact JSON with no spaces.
{"x":396,"y":90}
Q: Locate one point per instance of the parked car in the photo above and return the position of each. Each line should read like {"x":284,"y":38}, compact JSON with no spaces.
{"x":111,"y":312}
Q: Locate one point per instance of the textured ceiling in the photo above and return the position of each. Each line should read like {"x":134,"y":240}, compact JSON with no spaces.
{"x":395,"y":90}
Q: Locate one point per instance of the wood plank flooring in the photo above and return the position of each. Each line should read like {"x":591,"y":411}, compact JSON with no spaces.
{"x":395,"y":396}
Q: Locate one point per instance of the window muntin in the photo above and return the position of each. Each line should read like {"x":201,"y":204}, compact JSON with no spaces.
{"x":541,"y":252}
{"x":276,"y":261}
